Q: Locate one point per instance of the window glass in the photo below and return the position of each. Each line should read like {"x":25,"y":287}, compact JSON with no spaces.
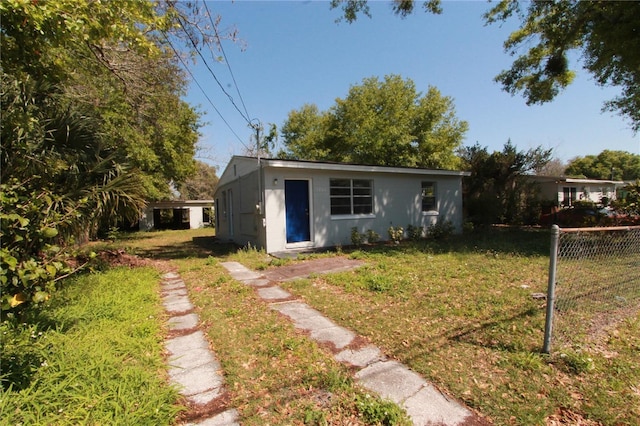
{"x":428,"y":196}
{"x":351,"y":196}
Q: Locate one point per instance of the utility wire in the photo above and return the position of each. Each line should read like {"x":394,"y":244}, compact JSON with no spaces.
{"x":224,"y":55}
{"x":175,"y":51}
{"x":195,"y":46}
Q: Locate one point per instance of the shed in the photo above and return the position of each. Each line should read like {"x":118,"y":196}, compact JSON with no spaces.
{"x":176,"y":214}
{"x":564,"y":191}
{"x":283,"y":205}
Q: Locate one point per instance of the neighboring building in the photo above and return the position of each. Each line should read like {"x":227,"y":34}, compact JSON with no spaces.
{"x":179,"y":214}
{"x":282,"y":205}
{"x":566,"y":191}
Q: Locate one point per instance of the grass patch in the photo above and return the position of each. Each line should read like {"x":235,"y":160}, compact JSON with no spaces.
{"x":460,"y":312}
{"x":93,"y":356}
{"x":275,"y":375}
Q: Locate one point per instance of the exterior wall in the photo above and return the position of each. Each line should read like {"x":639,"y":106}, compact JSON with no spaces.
{"x":585,"y":189}
{"x":397,"y":202}
{"x":195,"y":218}
{"x":239,"y":217}
{"x":593,"y":193}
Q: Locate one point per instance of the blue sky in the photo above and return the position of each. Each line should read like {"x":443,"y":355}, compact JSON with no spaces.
{"x":293,"y":52}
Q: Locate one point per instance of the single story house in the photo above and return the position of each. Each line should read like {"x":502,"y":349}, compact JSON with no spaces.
{"x":176,"y":214}
{"x":566,"y":191}
{"x":282,"y":205}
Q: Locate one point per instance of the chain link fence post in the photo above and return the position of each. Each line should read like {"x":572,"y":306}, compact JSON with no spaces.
{"x":551,"y":288}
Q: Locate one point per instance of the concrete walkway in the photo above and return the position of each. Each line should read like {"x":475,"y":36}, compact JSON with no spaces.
{"x":390,"y":379}
{"x":193,"y":368}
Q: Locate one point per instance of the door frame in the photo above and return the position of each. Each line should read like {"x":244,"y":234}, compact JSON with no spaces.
{"x":300,"y":244}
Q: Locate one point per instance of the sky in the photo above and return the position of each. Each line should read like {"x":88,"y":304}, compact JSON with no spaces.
{"x":292,"y":53}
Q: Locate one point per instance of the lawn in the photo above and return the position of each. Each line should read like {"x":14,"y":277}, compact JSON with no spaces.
{"x":458,"y":311}
{"x":94,"y":355}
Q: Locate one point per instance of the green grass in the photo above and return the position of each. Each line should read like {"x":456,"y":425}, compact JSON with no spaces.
{"x":461,"y":314}
{"x":93,"y":356}
{"x":275,"y":375}
{"x":458,"y":311}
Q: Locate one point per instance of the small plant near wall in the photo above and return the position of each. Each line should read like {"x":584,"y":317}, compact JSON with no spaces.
{"x":440,"y":230}
{"x":414,"y":233}
{"x":396,"y":233}
{"x":372,"y":236}
{"x":356,"y":237}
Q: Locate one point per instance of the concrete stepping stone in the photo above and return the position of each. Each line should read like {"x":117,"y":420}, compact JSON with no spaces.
{"x":226,"y":418}
{"x":239,"y":272}
{"x":273,"y":293}
{"x":424,"y":404}
{"x":361,"y":357}
{"x":183,"y":322}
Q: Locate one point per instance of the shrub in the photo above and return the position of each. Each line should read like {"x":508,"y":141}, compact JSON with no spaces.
{"x":372,"y":236}
{"x":356,"y":237}
{"x":414,"y":232}
{"x":396,"y":233}
{"x":440,"y":230}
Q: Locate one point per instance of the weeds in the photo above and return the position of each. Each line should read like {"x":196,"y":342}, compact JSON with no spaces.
{"x":92,"y":357}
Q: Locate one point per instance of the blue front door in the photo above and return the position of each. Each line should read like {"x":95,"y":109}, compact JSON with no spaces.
{"x":296,"y":202}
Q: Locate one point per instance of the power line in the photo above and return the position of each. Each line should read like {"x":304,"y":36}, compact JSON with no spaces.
{"x":202,"y":90}
{"x":224,"y":55}
{"x":195,"y":46}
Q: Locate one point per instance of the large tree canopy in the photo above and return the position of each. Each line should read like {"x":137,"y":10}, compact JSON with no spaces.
{"x":92,"y":125}
{"x":498,"y":190}
{"x":606,"y":35}
{"x":618,"y":165}
{"x":380,"y":123}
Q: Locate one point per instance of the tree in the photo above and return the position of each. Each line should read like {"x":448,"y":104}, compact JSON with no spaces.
{"x":605,"y":33}
{"x":617,"y":165}
{"x":201,"y":185}
{"x":92,"y":125}
{"x":498,"y":190}
{"x":555,"y":167}
{"x":379,"y":123}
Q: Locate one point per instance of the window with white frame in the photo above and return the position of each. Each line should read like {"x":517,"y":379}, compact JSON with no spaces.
{"x":351,"y":196}
{"x":429,"y":201}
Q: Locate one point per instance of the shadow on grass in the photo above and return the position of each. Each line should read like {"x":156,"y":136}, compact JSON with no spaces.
{"x":524,"y":242}
{"x":198,"y":247}
{"x":494,"y":334}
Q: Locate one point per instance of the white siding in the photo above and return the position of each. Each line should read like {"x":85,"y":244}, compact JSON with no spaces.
{"x":397,"y":202}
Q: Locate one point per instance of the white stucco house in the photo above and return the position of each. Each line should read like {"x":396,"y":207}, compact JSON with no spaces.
{"x":566,"y":191}
{"x":283,"y":205}
{"x":185,"y":214}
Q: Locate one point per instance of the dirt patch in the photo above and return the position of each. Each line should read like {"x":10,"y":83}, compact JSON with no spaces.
{"x":121,"y":258}
{"x":309,"y":267}
{"x":197,"y":412}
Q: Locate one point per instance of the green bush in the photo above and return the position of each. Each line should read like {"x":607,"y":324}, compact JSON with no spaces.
{"x":440,"y":230}
{"x":372,"y":236}
{"x":356,"y":237}
{"x":396,"y":233}
{"x":30,"y":259}
{"x":415,"y":232}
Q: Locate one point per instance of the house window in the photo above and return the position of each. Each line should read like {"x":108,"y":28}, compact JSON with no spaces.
{"x":569,"y":196}
{"x":429,"y":196}
{"x":351,"y":196}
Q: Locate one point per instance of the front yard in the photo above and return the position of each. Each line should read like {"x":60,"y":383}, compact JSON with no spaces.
{"x":459,"y":311}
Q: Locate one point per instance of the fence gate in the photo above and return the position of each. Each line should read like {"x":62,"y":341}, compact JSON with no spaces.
{"x":594,"y":282}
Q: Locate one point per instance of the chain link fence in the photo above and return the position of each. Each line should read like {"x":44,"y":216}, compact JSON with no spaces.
{"x":594,"y":282}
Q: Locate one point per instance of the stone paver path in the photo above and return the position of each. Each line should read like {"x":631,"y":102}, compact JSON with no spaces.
{"x":193,"y":367}
{"x":392,"y":380}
